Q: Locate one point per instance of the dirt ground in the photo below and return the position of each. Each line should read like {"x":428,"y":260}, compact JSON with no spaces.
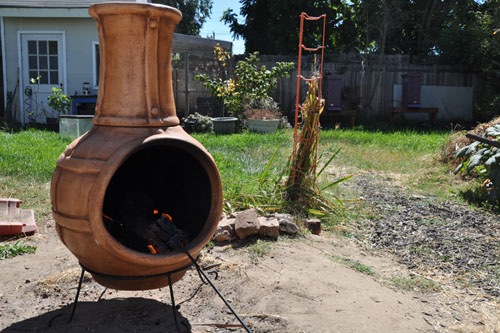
{"x":307,"y":284}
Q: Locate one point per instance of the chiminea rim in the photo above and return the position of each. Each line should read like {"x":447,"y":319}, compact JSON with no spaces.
{"x":98,"y":193}
{"x":122,"y":7}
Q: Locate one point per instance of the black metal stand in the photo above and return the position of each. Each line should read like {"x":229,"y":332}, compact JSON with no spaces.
{"x":203,"y":277}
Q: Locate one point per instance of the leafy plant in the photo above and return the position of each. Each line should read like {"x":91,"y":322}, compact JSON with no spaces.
{"x":483,"y":159}
{"x":58,"y":101}
{"x":15,"y":249}
{"x":251,"y":81}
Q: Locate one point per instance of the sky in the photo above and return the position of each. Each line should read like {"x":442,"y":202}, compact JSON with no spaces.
{"x":214,"y":27}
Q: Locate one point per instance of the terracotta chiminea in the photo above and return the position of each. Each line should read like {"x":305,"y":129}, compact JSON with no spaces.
{"x":136,"y":167}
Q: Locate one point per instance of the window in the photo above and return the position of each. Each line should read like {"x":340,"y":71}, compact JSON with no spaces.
{"x":96,"y":60}
{"x":43,"y":61}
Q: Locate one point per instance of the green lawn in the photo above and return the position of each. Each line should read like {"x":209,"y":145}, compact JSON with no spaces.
{"x":27,"y":160}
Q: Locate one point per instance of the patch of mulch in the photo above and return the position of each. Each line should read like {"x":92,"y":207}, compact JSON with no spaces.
{"x":429,"y":235}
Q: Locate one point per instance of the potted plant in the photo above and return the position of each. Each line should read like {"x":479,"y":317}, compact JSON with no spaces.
{"x":250,"y":82}
{"x":262,"y":116}
{"x":197,"y":123}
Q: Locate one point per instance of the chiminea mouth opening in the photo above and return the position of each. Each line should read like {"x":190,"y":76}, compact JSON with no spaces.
{"x":159,"y":199}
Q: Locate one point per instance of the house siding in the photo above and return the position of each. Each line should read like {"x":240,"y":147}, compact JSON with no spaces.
{"x":80,"y":32}
{"x":79,"y":36}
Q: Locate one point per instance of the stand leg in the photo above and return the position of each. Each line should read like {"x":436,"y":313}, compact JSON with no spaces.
{"x":174,"y":310}
{"x":77,"y":295}
{"x":202,"y":274}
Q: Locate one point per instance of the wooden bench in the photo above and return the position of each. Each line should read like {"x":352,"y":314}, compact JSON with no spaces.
{"x":432,"y":112}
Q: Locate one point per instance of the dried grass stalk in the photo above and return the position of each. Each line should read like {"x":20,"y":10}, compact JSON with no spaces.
{"x":301,"y":184}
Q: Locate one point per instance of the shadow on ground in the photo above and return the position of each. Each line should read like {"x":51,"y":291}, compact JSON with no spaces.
{"x":115,"y":315}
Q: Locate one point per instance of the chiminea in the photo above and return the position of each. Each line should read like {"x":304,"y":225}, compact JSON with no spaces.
{"x":134,"y":193}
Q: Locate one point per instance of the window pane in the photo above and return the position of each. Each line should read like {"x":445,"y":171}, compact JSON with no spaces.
{"x":54,"y":77}
{"x":33,"y":63}
{"x":43,"y":62}
{"x":53,"y":47}
{"x":42,"y":47}
{"x":44,"y":77}
{"x":32,"y":47}
{"x":53,"y":62}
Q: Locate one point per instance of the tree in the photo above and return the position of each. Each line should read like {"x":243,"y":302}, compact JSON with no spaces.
{"x":194,"y":14}
{"x":279,"y":19}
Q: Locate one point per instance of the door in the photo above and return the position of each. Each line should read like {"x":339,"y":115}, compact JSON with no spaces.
{"x":42,"y":67}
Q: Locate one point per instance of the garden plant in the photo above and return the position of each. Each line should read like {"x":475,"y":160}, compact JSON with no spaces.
{"x":302,"y":191}
{"x":250,"y":80}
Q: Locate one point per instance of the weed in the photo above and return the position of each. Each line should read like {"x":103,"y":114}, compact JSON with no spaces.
{"x":259,"y":249}
{"x":354,"y":264}
{"x":15,"y":249}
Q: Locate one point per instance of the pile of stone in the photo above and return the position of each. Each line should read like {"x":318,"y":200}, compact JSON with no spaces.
{"x":248,"y":223}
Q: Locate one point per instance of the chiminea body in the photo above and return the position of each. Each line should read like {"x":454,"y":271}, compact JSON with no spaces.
{"x":136,"y":168}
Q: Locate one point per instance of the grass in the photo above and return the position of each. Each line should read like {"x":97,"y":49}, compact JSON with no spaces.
{"x":412,"y":156}
{"x":27,"y":160}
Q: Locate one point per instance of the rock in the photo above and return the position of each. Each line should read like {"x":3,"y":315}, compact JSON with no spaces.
{"x":247,"y":223}
{"x":269,"y":226}
{"x":314,"y":226}
{"x":287,"y":226}
{"x":225,"y":230}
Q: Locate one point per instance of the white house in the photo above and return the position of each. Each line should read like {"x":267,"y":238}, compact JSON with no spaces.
{"x":55,"y":41}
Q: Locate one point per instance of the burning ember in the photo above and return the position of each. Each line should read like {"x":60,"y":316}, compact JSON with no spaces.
{"x":142,"y":228}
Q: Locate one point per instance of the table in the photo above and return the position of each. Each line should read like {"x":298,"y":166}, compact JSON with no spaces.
{"x":75,"y":99}
{"x":432,"y":112}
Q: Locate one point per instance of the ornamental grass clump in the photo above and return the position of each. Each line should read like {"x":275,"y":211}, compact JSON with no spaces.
{"x":302,"y":191}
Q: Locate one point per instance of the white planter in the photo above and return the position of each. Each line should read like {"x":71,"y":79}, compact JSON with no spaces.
{"x":263,"y":125}
{"x":73,"y":126}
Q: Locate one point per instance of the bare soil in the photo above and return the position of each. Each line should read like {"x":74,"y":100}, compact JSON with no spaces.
{"x":417,"y":265}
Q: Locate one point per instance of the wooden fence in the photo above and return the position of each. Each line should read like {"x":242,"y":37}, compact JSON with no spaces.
{"x":367,"y":82}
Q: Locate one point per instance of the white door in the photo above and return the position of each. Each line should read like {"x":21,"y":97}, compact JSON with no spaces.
{"x":42,"y":67}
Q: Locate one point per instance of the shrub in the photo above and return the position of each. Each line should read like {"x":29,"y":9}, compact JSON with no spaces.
{"x":198,"y":123}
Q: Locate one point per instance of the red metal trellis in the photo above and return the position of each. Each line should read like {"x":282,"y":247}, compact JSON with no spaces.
{"x":300,"y":77}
